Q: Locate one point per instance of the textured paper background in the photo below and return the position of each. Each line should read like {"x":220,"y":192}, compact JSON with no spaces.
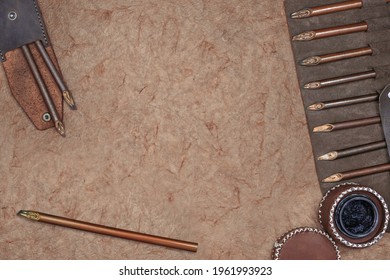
{"x":190,"y":125}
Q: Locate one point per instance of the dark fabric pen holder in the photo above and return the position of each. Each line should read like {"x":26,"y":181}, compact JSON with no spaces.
{"x":377,"y":15}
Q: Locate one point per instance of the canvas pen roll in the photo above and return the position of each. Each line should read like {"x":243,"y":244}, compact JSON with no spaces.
{"x":330,"y":8}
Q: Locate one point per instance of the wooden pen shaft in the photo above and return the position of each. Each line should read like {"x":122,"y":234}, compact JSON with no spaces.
{"x":361,"y":149}
{"x":365,"y":171}
{"x":95,"y":228}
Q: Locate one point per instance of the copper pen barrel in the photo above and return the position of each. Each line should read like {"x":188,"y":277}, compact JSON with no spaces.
{"x":361,"y":149}
{"x":347,"y":175}
{"x":341,"y":30}
{"x":333,"y":57}
{"x":95,"y":228}
{"x":344,"y":102}
{"x":341,"y":80}
{"x":328,"y":9}
{"x":337,"y":7}
{"x":331,"y":31}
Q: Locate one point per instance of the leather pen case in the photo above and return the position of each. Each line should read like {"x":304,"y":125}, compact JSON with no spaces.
{"x":21,"y":24}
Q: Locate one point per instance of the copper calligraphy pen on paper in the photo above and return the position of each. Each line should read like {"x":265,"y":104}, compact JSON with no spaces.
{"x":347,"y":175}
{"x":115,"y":232}
{"x":352,"y":151}
{"x":347,"y":125}
{"x":329,"y":9}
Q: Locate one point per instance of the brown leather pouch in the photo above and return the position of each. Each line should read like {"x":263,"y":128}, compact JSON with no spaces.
{"x":21,"y":24}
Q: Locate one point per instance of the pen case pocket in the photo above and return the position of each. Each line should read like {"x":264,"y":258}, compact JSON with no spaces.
{"x":21,"y":24}
{"x":377,"y":15}
{"x":25,"y":90}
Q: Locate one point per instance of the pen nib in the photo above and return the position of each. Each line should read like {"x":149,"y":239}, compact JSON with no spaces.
{"x":60,"y":128}
{"x":316,"y":107}
{"x":333,"y":178}
{"x":305,"y":36}
{"x":329,"y":156}
{"x":301,"y":14}
{"x":29,"y":215}
{"x":312,"y":85}
{"x":68,"y":97}
{"x":323,"y":128}
{"x":311,"y":61}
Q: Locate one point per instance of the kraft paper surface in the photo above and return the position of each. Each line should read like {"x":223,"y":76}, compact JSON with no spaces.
{"x":190,"y":125}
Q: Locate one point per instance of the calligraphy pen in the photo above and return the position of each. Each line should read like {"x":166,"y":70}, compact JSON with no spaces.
{"x":341,"y":80}
{"x":333,"y":57}
{"x":42,"y":86}
{"x":333,"y":155}
{"x":331,"y":31}
{"x":347,"y":124}
{"x":121,"y":233}
{"x":347,"y":175}
{"x":328,"y":9}
{"x":343,"y":102}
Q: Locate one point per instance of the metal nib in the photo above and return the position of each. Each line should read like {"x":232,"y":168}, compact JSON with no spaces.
{"x":305,"y":36}
{"x":328,"y":156}
{"x":60,"y":128}
{"x":316,"y":107}
{"x":301,"y":14}
{"x":68,"y":97}
{"x":323,"y":128}
{"x":29,"y":215}
{"x":312,"y":85}
{"x":311,"y":61}
{"x":333,"y":178}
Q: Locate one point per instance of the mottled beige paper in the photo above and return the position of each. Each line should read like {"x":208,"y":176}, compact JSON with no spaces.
{"x":189,"y":125}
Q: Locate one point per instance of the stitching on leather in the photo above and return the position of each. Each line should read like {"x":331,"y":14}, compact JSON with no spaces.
{"x":40,"y":22}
